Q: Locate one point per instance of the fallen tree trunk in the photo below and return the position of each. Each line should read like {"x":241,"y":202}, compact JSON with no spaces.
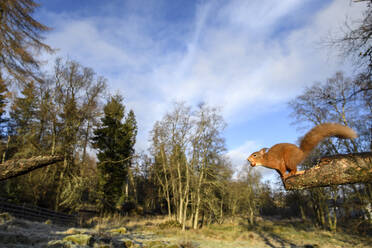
{"x":334,"y":170}
{"x":14,"y":168}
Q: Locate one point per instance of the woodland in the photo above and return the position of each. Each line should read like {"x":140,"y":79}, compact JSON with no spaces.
{"x":185,"y":175}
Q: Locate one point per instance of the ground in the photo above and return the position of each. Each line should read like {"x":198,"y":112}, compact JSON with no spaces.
{"x":157,"y":232}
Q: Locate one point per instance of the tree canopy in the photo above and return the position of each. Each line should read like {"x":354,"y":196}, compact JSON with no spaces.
{"x":114,"y":139}
{"x":21,"y":40}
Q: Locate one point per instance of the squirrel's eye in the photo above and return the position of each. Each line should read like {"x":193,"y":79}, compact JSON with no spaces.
{"x":254,"y":155}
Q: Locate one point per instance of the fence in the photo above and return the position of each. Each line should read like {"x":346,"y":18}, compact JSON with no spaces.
{"x":29,"y":212}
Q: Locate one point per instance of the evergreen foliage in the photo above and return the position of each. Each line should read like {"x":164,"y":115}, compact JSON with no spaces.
{"x":49,"y":117}
{"x":24,"y":116}
{"x":186,"y":173}
{"x":114,"y":140}
{"x":20,"y":40}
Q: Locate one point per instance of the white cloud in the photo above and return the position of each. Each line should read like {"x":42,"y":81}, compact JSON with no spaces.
{"x":239,"y":155}
{"x":256,"y":16}
{"x":236,"y":66}
{"x":232,"y":57}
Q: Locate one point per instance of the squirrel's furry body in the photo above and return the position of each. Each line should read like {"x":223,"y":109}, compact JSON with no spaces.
{"x":285,"y":157}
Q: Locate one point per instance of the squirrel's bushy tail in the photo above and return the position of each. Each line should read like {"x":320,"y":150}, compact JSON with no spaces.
{"x":322,"y":131}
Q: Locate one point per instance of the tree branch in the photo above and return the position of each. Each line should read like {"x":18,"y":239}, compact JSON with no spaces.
{"x":14,"y":168}
{"x":334,"y":170}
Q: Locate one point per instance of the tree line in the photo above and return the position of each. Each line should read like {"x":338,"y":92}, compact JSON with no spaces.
{"x":185,"y":174}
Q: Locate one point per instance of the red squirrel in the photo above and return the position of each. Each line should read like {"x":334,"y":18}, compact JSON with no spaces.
{"x":285,"y":157}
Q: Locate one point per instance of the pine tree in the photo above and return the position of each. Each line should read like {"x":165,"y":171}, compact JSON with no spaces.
{"x":20,"y":39}
{"x":114,"y":140}
{"x":23,"y":113}
{"x":130,"y":126}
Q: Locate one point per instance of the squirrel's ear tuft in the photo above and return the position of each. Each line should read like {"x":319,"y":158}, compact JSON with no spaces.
{"x":263,"y":150}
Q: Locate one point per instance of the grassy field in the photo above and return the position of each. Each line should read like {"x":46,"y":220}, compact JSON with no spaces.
{"x":159,"y":232}
{"x":267,"y":233}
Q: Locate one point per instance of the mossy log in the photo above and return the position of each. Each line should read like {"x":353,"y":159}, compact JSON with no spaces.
{"x":17,"y":167}
{"x":334,"y":170}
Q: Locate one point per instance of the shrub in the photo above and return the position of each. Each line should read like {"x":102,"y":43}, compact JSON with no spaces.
{"x":170,"y":224}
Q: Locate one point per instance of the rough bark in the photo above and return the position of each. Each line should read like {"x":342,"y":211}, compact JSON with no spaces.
{"x":198,"y":200}
{"x":166,"y":185}
{"x":14,"y":168}
{"x":334,"y":170}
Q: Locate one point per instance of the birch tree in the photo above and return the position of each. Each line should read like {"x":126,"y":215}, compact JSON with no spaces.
{"x":187,"y":146}
{"x":171,"y":138}
{"x":208,"y":144}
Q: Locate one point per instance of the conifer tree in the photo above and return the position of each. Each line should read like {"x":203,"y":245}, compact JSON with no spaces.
{"x":114,"y":140}
{"x":130,"y":126}
{"x":20,"y":39}
{"x":23,"y":113}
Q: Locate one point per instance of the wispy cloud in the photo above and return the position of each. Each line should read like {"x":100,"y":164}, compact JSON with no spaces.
{"x":241,"y":55}
{"x":239,"y":155}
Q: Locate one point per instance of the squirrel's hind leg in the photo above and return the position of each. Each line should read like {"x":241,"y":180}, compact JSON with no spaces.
{"x":283,"y":173}
{"x":295,"y":172}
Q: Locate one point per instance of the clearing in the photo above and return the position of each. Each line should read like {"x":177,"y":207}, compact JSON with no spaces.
{"x":157,"y":232}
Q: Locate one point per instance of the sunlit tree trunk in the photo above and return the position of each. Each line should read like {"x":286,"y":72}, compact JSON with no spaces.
{"x":166,"y":186}
{"x":180,"y":193}
{"x":60,"y":184}
{"x":186,"y":198}
{"x":197,"y":205}
{"x":6,"y":150}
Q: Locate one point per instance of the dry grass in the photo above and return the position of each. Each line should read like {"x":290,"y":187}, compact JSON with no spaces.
{"x":131,"y":223}
{"x":266,"y":233}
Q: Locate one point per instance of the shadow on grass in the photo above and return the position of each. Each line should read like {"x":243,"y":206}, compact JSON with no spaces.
{"x":270,"y":239}
{"x":273,"y":233}
{"x":354,"y":240}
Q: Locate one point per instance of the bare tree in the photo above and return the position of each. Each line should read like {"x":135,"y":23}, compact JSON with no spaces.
{"x":207,"y":146}
{"x":170,"y":140}
{"x":186,"y":147}
{"x":355,"y":41}
{"x":335,"y":101}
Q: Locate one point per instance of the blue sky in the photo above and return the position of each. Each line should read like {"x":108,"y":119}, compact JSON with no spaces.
{"x":247,"y":57}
